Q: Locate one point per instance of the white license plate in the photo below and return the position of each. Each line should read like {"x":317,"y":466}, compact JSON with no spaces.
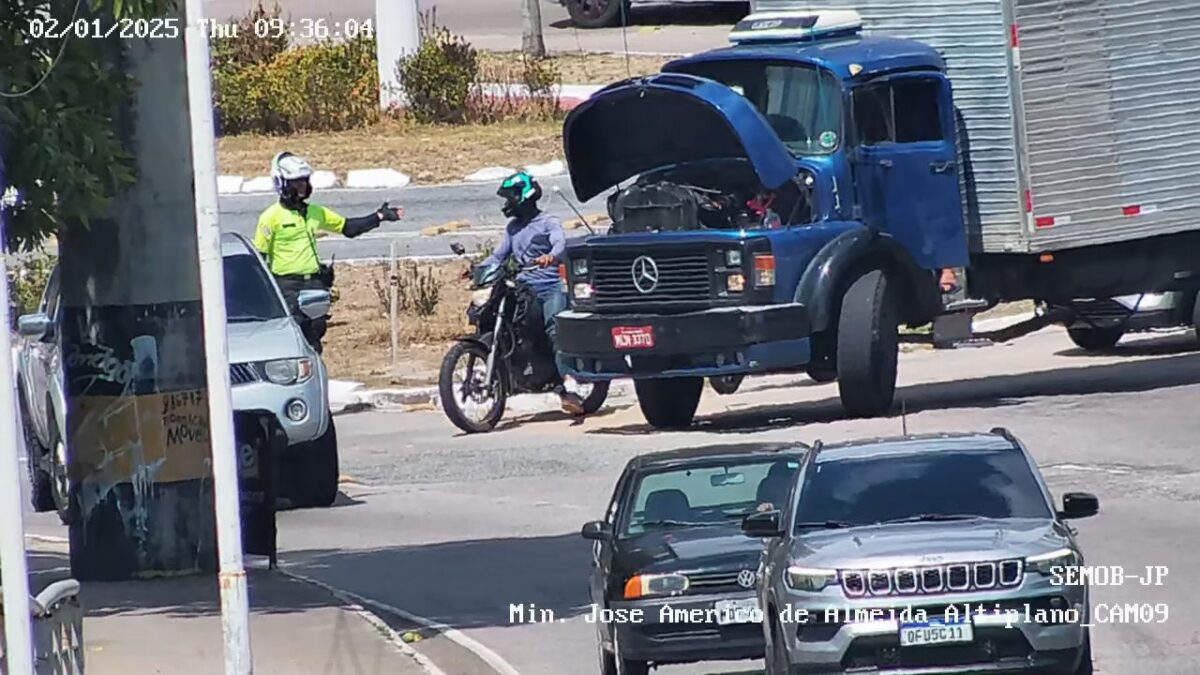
{"x":935,"y":633}
{"x":737,"y":611}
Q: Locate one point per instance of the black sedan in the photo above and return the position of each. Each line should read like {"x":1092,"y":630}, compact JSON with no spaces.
{"x":673,"y":577}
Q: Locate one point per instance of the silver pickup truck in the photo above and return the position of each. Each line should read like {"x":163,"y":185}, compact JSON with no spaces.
{"x":271,"y":367}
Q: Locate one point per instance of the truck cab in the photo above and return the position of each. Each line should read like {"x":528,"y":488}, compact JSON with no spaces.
{"x":780,"y":205}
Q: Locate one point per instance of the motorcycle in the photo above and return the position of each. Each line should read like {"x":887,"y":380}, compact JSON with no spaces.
{"x":509,"y":353}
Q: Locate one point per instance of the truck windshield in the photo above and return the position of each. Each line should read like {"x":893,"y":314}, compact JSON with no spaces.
{"x":802,"y":103}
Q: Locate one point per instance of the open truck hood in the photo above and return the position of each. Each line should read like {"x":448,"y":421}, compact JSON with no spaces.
{"x":667,"y":119}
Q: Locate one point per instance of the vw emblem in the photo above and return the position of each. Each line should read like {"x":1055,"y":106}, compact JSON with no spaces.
{"x":746,"y":579}
{"x":645,"y":274}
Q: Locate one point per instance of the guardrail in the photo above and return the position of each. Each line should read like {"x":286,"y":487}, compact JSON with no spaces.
{"x":57,"y":630}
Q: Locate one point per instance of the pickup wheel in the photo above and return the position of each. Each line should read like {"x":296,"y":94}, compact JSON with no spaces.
{"x":596,"y":13}
{"x":868,"y":346}
{"x":41,"y":494}
{"x":669,"y":403}
{"x":317,"y":484}
{"x":1095,"y":339}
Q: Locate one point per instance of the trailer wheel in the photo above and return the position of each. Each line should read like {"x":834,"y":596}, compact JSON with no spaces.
{"x":1095,"y":339}
{"x":1196,"y":315}
{"x":868,"y":346}
{"x":669,"y":403}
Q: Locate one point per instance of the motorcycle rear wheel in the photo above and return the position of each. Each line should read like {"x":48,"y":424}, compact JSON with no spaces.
{"x":455,"y":395}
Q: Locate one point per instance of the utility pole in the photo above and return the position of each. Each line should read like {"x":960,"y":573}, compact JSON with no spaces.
{"x":397,"y":34}
{"x":532,"y":44}
{"x":138,"y":441}
{"x":235,"y":600}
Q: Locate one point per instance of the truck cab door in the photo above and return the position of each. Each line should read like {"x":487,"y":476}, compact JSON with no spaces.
{"x":906,"y":165}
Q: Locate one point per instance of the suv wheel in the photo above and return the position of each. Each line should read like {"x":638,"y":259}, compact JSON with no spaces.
{"x":777,"y":658}
{"x":41,"y":482}
{"x":669,"y":403}
{"x":596,"y":13}
{"x":726,"y":384}
{"x":1085,"y":662}
{"x":60,"y":489}
{"x":868,"y":346}
{"x":318,"y":479}
{"x":1095,"y":339}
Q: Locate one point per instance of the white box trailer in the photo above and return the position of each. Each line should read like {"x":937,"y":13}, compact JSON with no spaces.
{"x":1082,"y":116}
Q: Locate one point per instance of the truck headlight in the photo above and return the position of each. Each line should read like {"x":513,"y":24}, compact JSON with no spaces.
{"x":643,"y":585}
{"x":1045,"y":563}
{"x":735,"y":283}
{"x":288,"y":371}
{"x":809,"y":579}
{"x":579,"y":267}
{"x":480,"y":297}
{"x":733,"y":258}
{"x":583,"y":291}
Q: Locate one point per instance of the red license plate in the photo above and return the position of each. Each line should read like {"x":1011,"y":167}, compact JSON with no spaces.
{"x":633,"y":337}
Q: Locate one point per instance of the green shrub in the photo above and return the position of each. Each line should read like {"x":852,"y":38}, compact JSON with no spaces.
{"x":438,"y":78}
{"x":530,"y":95}
{"x":245,"y":48}
{"x":27,"y":279}
{"x":417,"y":289}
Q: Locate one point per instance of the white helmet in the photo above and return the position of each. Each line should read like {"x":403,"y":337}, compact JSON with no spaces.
{"x":286,"y":167}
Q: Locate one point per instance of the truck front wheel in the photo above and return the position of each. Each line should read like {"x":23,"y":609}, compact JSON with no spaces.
{"x":669,"y":403}
{"x":868,"y":346}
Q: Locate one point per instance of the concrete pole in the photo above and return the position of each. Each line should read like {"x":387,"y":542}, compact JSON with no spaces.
{"x":532,"y":44}
{"x":397,"y":34}
{"x":235,"y":601}
{"x":137,"y":433}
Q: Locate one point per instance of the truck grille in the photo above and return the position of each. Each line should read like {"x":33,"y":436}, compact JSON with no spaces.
{"x":683,"y":278}
{"x":955,"y":578}
{"x":242,"y":373}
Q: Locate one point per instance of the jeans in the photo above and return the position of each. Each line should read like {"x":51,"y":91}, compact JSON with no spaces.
{"x":554,"y":301}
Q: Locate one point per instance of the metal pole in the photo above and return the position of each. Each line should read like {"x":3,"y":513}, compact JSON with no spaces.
{"x":397,"y":34}
{"x":14,"y":575}
{"x":235,"y":603}
{"x":532,"y":44}
{"x":393,"y":304}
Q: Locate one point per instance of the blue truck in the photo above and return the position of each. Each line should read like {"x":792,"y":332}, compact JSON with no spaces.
{"x":789,"y":202}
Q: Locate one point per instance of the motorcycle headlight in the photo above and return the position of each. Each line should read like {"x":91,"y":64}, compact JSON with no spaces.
{"x":810,"y":579}
{"x":644,"y":585}
{"x":1046,"y":563}
{"x":288,"y":371}
{"x":480,"y":297}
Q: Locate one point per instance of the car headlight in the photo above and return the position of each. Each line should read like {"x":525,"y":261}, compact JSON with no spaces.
{"x":288,"y":371}
{"x":480,"y":297}
{"x":643,"y":585}
{"x":1046,"y":563}
{"x":810,"y":579}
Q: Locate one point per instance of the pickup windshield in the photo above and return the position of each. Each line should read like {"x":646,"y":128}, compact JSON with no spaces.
{"x":249,"y":293}
{"x":802,"y":103}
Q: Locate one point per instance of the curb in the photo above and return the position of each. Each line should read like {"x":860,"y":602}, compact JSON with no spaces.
{"x":365,"y":400}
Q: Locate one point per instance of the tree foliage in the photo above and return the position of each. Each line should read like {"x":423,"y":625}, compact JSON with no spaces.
{"x":61,"y":147}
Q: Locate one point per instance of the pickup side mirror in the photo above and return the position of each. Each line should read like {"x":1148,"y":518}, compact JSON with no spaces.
{"x":762,"y":524}
{"x":596,"y":530}
{"x":33,"y":325}
{"x":314,"y":303}
{"x":1079,"y":505}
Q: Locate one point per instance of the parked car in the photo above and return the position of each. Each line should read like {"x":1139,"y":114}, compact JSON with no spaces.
{"x":671,"y":539}
{"x":1097,"y":324}
{"x":906,"y":529}
{"x":606,"y":13}
{"x":271,"y":367}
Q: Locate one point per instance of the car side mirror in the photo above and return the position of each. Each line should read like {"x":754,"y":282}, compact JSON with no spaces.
{"x":1079,"y":505}
{"x":763,"y":524}
{"x":597,"y":530}
{"x":33,"y":325}
{"x":314,"y":303}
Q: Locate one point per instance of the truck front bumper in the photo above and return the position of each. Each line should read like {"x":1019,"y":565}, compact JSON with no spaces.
{"x":723,"y":341}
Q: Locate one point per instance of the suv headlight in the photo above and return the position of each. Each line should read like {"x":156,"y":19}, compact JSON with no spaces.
{"x":288,"y":371}
{"x":1046,"y":563}
{"x":810,"y":579}
{"x":645,"y":585}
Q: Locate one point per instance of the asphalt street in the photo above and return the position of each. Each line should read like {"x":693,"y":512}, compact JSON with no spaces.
{"x":496,"y":24}
{"x":475,"y":203}
{"x":454,"y":529}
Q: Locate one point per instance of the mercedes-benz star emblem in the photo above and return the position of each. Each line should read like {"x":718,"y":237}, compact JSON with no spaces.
{"x":645,"y":274}
{"x":746,"y":579}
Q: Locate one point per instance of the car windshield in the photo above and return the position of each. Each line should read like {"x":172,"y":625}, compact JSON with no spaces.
{"x":930,"y":485}
{"x":249,"y":293}
{"x":707,"y":493}
{"x":802,"y":103}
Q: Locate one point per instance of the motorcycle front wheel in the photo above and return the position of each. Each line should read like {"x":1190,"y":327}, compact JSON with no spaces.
{"x":470,"y":403}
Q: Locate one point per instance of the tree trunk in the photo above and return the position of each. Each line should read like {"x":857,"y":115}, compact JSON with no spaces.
{"x":532,"y":44}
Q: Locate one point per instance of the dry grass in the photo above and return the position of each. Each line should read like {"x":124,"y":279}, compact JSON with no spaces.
{"x":576,"y":67}
{"x":358,"y":344}
{"x":429,"y":154}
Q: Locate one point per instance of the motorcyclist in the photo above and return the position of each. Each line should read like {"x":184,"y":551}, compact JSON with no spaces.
{"x":535,"y":238}
{"x":286,"y":237}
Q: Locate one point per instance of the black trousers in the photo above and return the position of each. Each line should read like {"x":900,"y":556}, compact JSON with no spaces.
{"x":291,"y":285}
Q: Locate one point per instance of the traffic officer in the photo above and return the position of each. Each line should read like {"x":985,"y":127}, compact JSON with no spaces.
{"x":286,"y":237}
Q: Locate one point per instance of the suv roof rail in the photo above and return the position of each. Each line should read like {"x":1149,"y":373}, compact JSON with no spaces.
{"x":1004,"y":433}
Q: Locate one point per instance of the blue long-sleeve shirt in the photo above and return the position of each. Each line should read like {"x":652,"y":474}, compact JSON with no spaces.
{"x":526,"y":240}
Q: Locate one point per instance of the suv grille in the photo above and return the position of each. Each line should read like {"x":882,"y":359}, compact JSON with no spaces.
{"x":242,"y":373}
{"x":683,"y":278}
{"x":955,"y":578}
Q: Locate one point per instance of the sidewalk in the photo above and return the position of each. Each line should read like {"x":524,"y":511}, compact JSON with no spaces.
{"x":173,"y":627}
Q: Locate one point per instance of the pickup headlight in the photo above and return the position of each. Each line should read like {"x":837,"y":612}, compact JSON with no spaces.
{"x":646,"y":585}
{"x":809,"y":579}
{"x":480,"y":297}
{"x":288,"y":371}
{"x":1045,"y":563}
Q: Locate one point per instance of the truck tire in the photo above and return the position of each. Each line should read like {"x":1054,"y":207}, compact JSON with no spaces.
{"x":318,"y":479}
{"x":868,"y":346}
{"x":596,"y":13}
{"x":669,"y":403}
{"x":1095,"y":339}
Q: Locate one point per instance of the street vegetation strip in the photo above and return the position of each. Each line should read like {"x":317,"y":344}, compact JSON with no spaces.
{"x":578,"y":67}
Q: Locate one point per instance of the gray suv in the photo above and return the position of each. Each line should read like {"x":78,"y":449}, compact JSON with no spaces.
{"x":923,"y":554}
{"x":271,"y":367}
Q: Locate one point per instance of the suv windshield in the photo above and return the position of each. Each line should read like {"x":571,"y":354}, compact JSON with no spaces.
{"x":802,"y":103}
{"x":249,"y":293}
{"x":707,"y":494}
{"x":931,"y":485}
